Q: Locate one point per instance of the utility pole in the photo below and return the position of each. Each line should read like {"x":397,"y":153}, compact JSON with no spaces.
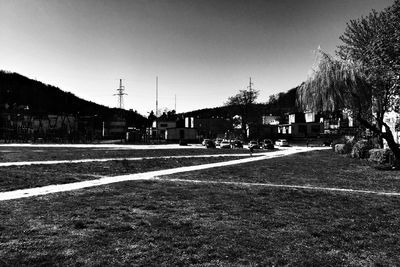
{"x":250,"y":87}
{"x":156,"y":96}
{"x":120,"y":94}
{"x":175,"y":103}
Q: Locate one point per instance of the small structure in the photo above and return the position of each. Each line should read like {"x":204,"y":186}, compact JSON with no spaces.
{"x":176,"y":134}
{"x":160,"y":127}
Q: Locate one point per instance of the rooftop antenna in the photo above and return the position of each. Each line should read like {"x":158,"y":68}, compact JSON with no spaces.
{"x":120,"y":94}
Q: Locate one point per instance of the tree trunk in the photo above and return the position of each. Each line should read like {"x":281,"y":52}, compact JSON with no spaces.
{"x":380,"y":126}
{"x":388,"y":136}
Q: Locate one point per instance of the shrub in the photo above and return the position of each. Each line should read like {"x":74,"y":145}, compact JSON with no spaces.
{"x":343,"y":148}
{"x":361,"y":149}
{"x":347,"y":141}
{"x":380,"y":156}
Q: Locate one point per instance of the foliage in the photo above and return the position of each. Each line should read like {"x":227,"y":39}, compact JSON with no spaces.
{"x":335,"y":84}
{"x":243,"y":98}
{"x":380,"y":156}
{"x":169,"y":115}
{"x":365,"y":79}
{"x":361,"y":149}
{"x":373,"y":42}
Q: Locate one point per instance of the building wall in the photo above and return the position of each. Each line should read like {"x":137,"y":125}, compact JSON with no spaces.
{"x":302,"y":130}
{"x":174,"y":134}
{"x":212,"y":127}
{"x":164,"y":125}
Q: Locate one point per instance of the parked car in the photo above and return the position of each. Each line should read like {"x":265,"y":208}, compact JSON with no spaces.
{"x":218,"y":141}
{"x":205,"y":142}
{"x":210,"y":144}
{"x":281,"y":142}
{"x":268,"y":144}
{"x":237,"y":144}
{"x":254,"y":145}
{"x":225,"y":144}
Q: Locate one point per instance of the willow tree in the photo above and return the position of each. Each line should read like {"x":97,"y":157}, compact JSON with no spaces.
{"x":337,"y":84}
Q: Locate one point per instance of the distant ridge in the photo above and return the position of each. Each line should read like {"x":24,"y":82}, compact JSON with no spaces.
{"x":283,"y":103}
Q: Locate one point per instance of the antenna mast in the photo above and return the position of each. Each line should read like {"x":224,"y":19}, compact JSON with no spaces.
{"x":251,"y":90}
{"x":250,"y":85}
{"x":156,"y":96}
{"x":120,"y":94}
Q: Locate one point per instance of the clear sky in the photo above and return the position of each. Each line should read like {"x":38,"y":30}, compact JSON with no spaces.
{"x":202,"y":51}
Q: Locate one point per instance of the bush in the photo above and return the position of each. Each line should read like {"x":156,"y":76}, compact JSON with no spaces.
{"x":348,"y":141}
{"x":343,"y":148}
{"x":361,"y":149}
{"x":380,"y":156}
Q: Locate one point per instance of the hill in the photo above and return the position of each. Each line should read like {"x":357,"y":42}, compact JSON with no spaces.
{"x":20,"y":92}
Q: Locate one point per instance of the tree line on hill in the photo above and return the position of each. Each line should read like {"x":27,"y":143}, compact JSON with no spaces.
{"x":19,"y":93}
{"x":279,"y":105}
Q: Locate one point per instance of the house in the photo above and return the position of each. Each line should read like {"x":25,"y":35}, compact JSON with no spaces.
{"x":301,"y":125}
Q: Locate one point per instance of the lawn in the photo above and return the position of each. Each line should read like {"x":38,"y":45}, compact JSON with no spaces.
{"x":164,"y":223}
{"x":15,"y":153}
{"x":315,"y":168}
{"x":29,"y":176}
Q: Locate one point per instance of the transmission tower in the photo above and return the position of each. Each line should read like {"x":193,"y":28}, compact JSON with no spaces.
{"x":120,"y":94}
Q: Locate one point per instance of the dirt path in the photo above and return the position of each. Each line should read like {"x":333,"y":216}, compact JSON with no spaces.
{"x":24,"y":193}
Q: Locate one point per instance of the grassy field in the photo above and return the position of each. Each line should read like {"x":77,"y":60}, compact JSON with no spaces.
{"x":29,"y":176}
{"x":164,"y":223}
{"x":315,"y":168}
{"x":14,"y":154}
